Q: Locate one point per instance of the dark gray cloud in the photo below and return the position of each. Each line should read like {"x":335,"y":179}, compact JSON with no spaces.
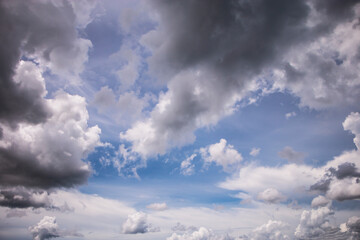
{"x":342,"y":191}
{"x":213,"y":54}
{"x":41,"y":30}
{"x":345,"y":170}
{"x":24,"y":198}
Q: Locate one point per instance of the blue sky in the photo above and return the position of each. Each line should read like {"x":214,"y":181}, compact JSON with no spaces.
{"x":182,"y":120}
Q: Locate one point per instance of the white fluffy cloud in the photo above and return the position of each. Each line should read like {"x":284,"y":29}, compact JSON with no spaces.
{"x":352,"y":124}
{"x":337,"y":179}
{"x":271,"y":195}
{"x":222,"y":154}
{"x":320,"y":201}
{"x":137,"y":223}
{"x":272,"y":230}
{"x":47,"y":228}
{"x":314,"y":222}
{"x":201,"y":234}
{"x":50,"y":154}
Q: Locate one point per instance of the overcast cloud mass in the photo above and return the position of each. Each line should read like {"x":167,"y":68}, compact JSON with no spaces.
{"x":180,"y":120}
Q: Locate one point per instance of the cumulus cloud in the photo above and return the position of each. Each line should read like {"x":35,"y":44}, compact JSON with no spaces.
{"x":24,"y":24}
{"x":291,"y":155}
{"x":137,"y":223}
{"x":320,"y":201}
{"x":201,"y":234}
{"x":271,"y":195}
{"x":272,"y":230}
{"x":314,"y":222}
{"x":47,"y":228}
{"x":338,"y":179}
{"x":341,"y":183}
{"x":186,"y":167}
{"x":352,"y":227}
{"x":255,"y":151}
{"x":352,"y":124}
{"x":222,"y":154}
{"x":20,"y":197}
{"x":209,"y":68}
{"x":157,"y":206}
{"x":51,"y":153}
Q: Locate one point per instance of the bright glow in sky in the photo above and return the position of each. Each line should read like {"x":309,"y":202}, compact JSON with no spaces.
{"x":180,"y":119}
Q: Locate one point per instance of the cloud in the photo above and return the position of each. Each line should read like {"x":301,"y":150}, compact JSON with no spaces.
{"x":209,"y":68}
{"x":124,"y":109}
{"x":291,"y":155}
{"x":320,"y":201}
{"x":182,"y":228}
{"x":290,"y":179}
{"x":353,"y":227}
{"x":50,"y":154}
{"x":20,"y":197}
{"x":16,"y":213}
{"x":129,"y":71}
{"x":290,"y":114}
{"x":222,"y":154}
{"x":137,"y":223}
{"x":24,"y":25}
{"x":273,"y":230}
{"x":314,"y":223}
{"x":352,"y":124}
{"x":201,"y":234}
{"x":157,"y":206}
{"x":47,"y":228}
{"x":186,"y":167}
{"x":341,"y":183}
{"x":255,"y":151}
{"x":271,"y":195}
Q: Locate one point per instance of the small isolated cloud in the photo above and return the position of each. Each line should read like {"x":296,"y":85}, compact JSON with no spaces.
{"x":320,"y":201}
{"x":255,"y":151}
{"x":201,"y":234}
{"x":47,"y":228}
{"x":186,"y":167}
{"x":290,"y":115}
{"x":291,"y":155}
{"x":271,"y":195}
{"x":222,"y":154}
{"x":157,"y":206}
{"x":273,"y":230}
{"x":137,"y":223}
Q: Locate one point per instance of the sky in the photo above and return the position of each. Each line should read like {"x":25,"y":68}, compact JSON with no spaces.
{"x":179,"y":119}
